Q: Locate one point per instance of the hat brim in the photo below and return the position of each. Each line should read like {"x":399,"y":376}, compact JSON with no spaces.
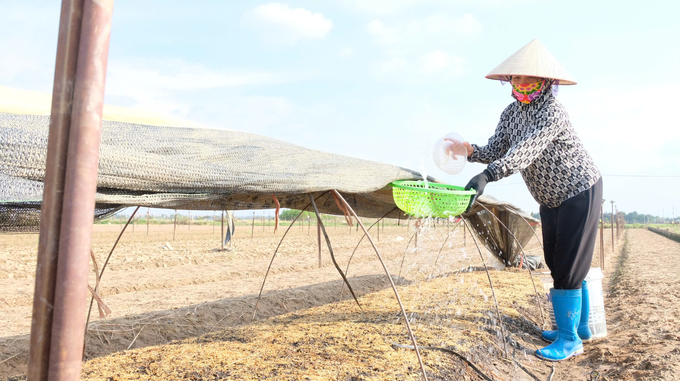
{"x":503,"y":77}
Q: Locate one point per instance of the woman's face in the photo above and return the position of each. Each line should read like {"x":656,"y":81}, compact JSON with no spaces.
{"x":524,"y":79}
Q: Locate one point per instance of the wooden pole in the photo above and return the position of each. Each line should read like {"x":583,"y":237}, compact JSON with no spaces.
{"x":318,"y":233}
{"x":379,"y":233}
{"x":252,"y":229}
{"x":174,"y":229}
{"x":464,"y":237}
{"x":613,"y":242}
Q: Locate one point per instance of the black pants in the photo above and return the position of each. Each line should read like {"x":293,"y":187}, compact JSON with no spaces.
{"x":569,"y":234}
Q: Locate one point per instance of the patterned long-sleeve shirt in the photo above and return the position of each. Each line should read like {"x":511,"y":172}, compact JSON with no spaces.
{"x":538,"y":140}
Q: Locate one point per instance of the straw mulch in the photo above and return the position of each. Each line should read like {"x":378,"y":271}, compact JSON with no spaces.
{"x":340,"y":342}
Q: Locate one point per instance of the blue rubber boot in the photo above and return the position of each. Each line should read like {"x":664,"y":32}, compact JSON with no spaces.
{"x":567,"y":306}
{"x":583,"y":329}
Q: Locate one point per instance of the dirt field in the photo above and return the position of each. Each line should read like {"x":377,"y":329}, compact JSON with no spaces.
{"x":162,"y":290}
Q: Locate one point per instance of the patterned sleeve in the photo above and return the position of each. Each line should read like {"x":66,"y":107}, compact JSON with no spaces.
{"x":495,"y":148}
{"x":544,"y":129}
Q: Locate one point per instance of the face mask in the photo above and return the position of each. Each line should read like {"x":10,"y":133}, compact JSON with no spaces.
{"x":526,"y":93}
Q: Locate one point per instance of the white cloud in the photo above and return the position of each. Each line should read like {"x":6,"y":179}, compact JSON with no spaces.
{"x":157,"y":85}
{"x":28,"y":37}
{"x":394,"y":7}
{"x":347,"y":52}
{"x":629,"y":130}
{"x":435,"y":61}
{"x":380,"y":7}
{"x":281,"y":25}
{"x":468,"y":25}
{"x":436,"y":65}
{"x":438,"y":28}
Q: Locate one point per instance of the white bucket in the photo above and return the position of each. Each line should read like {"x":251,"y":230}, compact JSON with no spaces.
{"x":596,"y":318}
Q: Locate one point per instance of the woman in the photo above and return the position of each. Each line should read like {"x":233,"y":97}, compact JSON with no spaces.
{"x":534,"y":137}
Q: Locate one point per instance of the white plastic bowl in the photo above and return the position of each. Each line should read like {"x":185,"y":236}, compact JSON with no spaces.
{"x":449,"y":153}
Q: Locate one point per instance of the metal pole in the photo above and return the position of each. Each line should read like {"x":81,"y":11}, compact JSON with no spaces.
{"x":252,"y":229}
{"x":70,"y":23}
{"x":318,"y":233}
{"x":174,"y":229}
{"x":222,"y":231}
{"x":80,"y":184}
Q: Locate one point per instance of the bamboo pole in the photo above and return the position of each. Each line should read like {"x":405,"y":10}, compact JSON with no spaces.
{"x":389,"y":277}
{"x":318,"y":233}
{"x":602,"y":237}
{"x":613,"y":241}
{"x":101,"y":272}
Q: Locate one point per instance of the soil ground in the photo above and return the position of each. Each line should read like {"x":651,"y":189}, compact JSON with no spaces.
{"x":189,"y":293}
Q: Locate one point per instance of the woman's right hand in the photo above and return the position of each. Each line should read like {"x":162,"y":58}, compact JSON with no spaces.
{"x":449,"y":150}
{"x":470,"y":148}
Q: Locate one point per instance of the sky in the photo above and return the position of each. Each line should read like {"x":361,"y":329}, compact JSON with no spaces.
{"x":384,"y":79}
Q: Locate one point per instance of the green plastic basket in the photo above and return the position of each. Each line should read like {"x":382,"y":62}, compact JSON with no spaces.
{"x":421,"y":199}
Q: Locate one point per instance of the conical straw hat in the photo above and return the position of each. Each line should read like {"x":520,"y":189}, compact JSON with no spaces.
{"x":532,"y":60}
